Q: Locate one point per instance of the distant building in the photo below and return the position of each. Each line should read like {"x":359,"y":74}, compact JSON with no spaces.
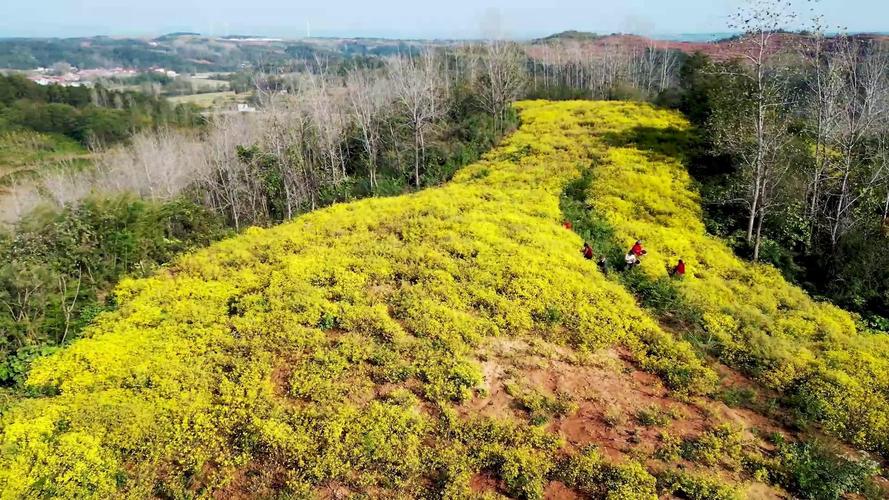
{"x":167,"y":72}
{"x":66,"y":80}
{"x":245,"y":108}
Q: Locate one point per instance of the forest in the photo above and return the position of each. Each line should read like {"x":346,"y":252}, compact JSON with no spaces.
{"x":86,"y":115}
{"x":763,"y":164}
{"x":187,"y":52}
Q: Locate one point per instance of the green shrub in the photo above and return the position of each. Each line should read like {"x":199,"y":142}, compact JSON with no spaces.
{"x":738,"y":396}
{"x":588,"y":473}
{"x":524,"y":472}
{"x":670,"y":448}
{"x":723,"y":444}
{"x":695,"y":486}
{"x":814,"y":471}
{"x":541,"y":407}
{"x":653,"y":416}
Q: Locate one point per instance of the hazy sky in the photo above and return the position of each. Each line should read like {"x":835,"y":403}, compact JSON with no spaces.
{"x":395,"y":18}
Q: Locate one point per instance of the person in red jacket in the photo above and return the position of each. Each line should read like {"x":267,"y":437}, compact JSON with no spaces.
{"x":678,"y":270}
{"x":567,"y":224}
{"x":637,"y":249}
{"x":587,"y":251}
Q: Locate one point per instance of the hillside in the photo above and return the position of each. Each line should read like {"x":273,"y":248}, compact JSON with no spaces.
{"x":720,"y":50}
{"x":186,"y":52}
{"x":455,"y":342}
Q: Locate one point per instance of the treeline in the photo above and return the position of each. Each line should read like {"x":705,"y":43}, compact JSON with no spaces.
{"x":794,"y":155}
{"x":186,"y":52}
{"x":85,"y":114}
{"x":95,"y":52}
{"x":566,"y":68}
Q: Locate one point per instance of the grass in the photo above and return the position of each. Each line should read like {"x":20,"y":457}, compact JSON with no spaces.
{"x":27,"y":153}
{"x":206,"y":100}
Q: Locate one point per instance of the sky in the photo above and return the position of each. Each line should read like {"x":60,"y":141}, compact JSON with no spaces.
{"x":397,"y":18}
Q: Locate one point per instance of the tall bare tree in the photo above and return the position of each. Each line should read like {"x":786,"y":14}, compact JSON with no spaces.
{"x":368,"y":97}
{"x":863,"y":105}
{"x":418,"y":88}
{"x":756,"y":132}
{"x":824,"y":83}
{"x":502,"y":79}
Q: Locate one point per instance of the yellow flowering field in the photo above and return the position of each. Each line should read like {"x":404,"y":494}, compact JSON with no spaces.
{"x":337,"y":352}
{"x":334,"y":348}
{"x":810,"y":351}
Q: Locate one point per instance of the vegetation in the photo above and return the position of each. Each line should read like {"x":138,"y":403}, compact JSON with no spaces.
{"x":590,"y":474}
{"x":59,"y":266}
{"x":753,"y":319}
{"x":350,"y":348}
{"x":820,"y":209}
{"x":87,"y":115}
{"x":815,"y":471}
{"x":698,"y":486}
{"x":410,"y":285}
{"x":187,"y":52}
{"x":255,"y":178}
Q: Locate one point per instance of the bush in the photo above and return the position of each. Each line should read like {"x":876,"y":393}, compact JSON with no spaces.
{"x":653,"y":416}
{"x":588,"y":473}
{"x":59,"y":266}
{"x":812,"y":470}
{"x":723,"y":444}
{"x":541,"y":407}
{"x":697,"y":486}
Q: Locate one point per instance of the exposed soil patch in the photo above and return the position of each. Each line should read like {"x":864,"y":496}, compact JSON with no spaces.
{"x":557,"y":490}
{"x":612,"y":397}
{"x":485,"y":483}
{"x":281,"y":379}
{"x":254,"y":480}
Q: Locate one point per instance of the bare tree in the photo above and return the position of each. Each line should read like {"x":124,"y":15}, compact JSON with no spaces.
{"x":417,"y":84}
{"x":757,"y":132}
{"x":328,"y":118}
{"x":824,"y":84}
{"x":863,"y":104}
{"x":368,"y":97}
{"x":68,"y":299}
{"x":502,"y":79}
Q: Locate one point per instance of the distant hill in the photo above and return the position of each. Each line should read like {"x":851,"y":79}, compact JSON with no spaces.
{"x":176,"y":34}
{"x":187,"y":52}
{"x":570,"y":35}
{"x":721,"y":46}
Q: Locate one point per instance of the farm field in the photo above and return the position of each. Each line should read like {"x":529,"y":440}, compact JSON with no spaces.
{"x":206,"y":100}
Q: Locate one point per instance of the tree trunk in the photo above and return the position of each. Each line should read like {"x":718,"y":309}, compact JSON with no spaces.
{"x":758,"y":242}
{"x":754,"y":209}
{"x":841,"y":208}
{"x":886,"y":209}
{"x":417,"y":156}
